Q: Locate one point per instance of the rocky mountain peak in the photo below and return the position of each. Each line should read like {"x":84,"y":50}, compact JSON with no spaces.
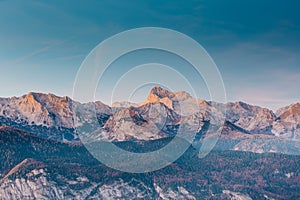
{"x":178,"y":101}
{"x":291,"y":113}
{"x":293,"y":109}
{"x":30,"y":96}
{"x":28,"y":100}
{"x":160,"y":95}
{"x":160,"y":92}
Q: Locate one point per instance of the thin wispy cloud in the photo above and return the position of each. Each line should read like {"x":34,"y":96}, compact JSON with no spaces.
{"x":35,"y":53}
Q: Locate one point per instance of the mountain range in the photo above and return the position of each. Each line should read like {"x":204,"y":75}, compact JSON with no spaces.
{"x":159,"y":116}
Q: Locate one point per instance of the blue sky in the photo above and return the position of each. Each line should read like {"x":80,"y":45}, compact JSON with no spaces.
{"x":255,"y":43}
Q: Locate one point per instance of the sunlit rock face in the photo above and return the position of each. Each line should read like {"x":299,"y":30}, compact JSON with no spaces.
{"x":287,"y":123}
